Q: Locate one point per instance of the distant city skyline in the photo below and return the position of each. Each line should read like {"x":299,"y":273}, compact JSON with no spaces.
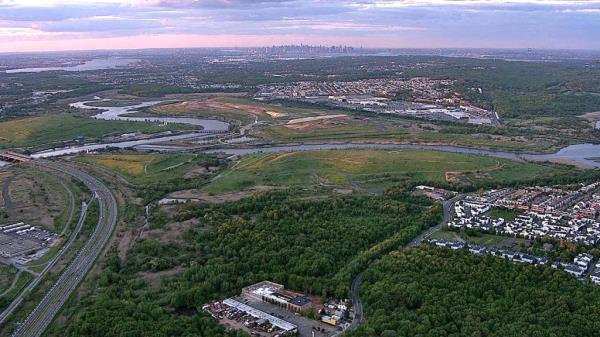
{"x":56,"y":25}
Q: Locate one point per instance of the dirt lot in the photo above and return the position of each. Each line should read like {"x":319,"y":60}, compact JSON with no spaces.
{"x":591,"y":117}
{"x":320,"y":122}
{"x":199,"y":196}
{"x":216,"y":105}
{"x":171,"y":233}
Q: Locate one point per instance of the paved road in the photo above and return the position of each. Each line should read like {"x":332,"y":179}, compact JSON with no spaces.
{"x":358,"y":307}
{"x":447,"y":209}
{"x":6,"y":193}
{"x":49,"y":265}
{"x":38,"y":320}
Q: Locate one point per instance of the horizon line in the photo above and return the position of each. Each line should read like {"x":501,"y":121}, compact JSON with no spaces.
{"x":295,"y":45}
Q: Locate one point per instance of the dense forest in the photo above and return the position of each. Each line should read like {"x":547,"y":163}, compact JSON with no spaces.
{"x":429,"y":292}
{"x":309,"y":244}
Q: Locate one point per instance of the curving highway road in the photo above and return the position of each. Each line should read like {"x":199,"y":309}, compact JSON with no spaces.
{"x":39,"y":319}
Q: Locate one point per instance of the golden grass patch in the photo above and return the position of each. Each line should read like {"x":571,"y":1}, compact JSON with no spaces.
{"x":20,"y":129}
{"x":130,"y":164}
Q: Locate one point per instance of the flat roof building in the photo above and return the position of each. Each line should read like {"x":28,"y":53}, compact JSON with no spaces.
{"x":275,"y":293}
{"x":278,"y":322}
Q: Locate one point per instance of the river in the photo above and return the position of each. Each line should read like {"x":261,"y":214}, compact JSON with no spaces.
{"x":120,"y":112}
{"x":582,"y":154}
{"x":95,"y":64}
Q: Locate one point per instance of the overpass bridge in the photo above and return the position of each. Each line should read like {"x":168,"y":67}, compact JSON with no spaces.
{"x":14,"y":157}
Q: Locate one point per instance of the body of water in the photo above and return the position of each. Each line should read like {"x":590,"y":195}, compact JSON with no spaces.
{"x":95,"y":64}
{"x":583,"y":154}
{"x":121,"y":112}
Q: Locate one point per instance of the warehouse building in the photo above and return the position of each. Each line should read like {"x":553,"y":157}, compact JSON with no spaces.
{"x":275,"y":293}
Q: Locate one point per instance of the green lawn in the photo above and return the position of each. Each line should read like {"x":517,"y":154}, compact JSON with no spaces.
{"x":363,"y":168}
{"x":482,"y":239}
{"x":48,"y":129}
{"x":145,"y":168}
{"x":7,"y":274}
{"x":506,"y":214}
{"x":370,"y":131}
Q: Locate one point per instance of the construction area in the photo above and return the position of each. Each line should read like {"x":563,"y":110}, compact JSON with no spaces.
{"x":268,"y":309}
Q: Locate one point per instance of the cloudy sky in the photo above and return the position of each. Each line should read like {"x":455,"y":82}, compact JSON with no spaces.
{"x":29,"y":25}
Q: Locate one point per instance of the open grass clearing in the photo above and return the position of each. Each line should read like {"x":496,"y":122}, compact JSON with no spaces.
{"x":7,"y":274}
{"x":37,"y":198}
{"x":506,"y":214}
{"x":369,"y":168}
{"x":373,"y":130}
{"x":482,"y":239}
{"x":48,"y":129}
{"x":145,"y":168}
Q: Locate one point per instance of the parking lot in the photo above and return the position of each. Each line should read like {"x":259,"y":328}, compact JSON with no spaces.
{"x":305,"y":325}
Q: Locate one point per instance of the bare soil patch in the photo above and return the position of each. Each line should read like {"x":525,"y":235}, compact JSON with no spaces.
{"x":153,"y":279}
{"x":308,"y":123}
{"x":172,"y":232}
{"x":214,"y":104}
{"x":591,"y":117}
{"x":196,"y":195}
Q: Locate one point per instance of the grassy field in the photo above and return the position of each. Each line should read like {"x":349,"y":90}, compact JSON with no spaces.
{"x":371,"y":169}
{"x":482,"y":239}
{"x":7,"y":274}
{"x":48,"y":129}
{"x":506,"y":214}
{"x":145,"y":168}
{"x":37,"y":198}
{"x":7,"y":294}
{"x":404,"y":131}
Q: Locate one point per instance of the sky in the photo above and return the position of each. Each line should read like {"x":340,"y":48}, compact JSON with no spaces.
{"x":51,"y":25}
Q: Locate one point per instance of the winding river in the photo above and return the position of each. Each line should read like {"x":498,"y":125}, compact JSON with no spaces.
{"x":121,"y":112}
{"x":583,"y":154}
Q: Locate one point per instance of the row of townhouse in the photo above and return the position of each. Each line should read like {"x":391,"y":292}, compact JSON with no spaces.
{"x":507,"y":254}
{"x":580,"y":266}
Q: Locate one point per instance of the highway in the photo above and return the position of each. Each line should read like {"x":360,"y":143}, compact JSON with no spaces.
{"x":49,"y":265}
{"x":43,"y":314}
